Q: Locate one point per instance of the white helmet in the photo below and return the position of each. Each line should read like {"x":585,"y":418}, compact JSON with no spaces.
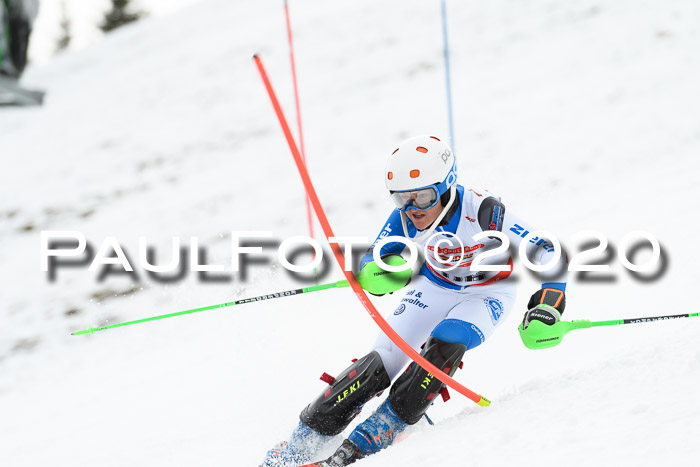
{"x":418,"y":173}
{"x":419,"y":162}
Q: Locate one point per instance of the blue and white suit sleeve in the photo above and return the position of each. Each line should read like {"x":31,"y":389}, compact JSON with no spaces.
{"x":392,"y":227}
{"x":539,"y":250}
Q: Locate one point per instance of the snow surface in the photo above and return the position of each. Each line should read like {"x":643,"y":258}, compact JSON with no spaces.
{"x":84,"y":17}
{"x":581,"y":115}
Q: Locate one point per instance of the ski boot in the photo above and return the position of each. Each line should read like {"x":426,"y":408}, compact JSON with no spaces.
{"x":369,"y":437}
{"x":346,"y":454}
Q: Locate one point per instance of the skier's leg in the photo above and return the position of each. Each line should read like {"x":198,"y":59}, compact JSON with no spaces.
{"x":485,"y":309}
{"x":467,"y":325}
{"x":410,"y":396}
{"x":338,"y":405}
{"x":423,"y":306}
{"x":331,"y":412}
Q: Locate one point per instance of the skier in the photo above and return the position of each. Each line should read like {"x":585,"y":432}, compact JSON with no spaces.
{"x":16,"y":19}
{"x":447,"y":310}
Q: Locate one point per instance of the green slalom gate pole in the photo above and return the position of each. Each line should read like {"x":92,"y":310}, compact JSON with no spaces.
{"x":539,"y":335}
{"x":288,"y":293}
{"x":372,"y":278}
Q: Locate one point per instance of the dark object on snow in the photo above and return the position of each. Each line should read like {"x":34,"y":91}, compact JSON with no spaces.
{"x":19,"y":42}
{"x":16,"y":18}
{"x":119,"y":16}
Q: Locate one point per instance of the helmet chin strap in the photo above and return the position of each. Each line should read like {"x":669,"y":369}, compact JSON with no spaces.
{"x":430,"y":230}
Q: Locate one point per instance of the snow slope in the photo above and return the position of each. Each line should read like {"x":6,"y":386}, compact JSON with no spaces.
{"x":84,"y":17}
{"x":581,"y":115}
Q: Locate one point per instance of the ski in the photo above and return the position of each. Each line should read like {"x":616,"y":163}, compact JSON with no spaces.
{"x":346,"y":454}
{"x":12,"y":94}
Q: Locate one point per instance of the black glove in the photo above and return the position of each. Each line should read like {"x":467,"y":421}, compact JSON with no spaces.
{"x":552,"y":297}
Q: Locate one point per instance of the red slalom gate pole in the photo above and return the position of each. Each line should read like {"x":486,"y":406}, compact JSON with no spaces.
{"x":328,"y":232}
{"x":309,"y":218}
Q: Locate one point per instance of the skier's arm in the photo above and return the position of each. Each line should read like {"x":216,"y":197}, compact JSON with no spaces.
{"x":392,"y":227}
{"x":393,"y":281}
{"x":541,"y":251}
{"x":494,"y":216}
{"x":538,"y":250}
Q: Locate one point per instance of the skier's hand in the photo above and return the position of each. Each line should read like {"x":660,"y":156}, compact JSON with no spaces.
{"x":556,"y":301}
{"x":378,"y":282}
{"x":390,"y":293}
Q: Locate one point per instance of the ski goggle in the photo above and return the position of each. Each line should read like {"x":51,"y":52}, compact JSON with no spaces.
{"x":420,"y":200}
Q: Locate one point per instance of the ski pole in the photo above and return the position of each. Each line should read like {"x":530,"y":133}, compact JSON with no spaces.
{"x":297,"y":106}
{"x":315,"y":288}
{"x":541,"y":336}
{"x":446,"y":54}
{"x":372,"y":278}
